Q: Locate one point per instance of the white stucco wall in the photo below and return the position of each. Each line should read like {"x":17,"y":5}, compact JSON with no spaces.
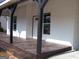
{"x":24,"y":13}
{"x":63,"y":14}
{"x":8,"y":25}
{"x":21,"y":23}
{"x":64,"y":22}
{"x":76,"y":28}
{"x":3,"y":21}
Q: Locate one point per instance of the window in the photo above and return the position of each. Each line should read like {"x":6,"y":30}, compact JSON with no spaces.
{"x":14,"y":23}
{"x":46,"y":23}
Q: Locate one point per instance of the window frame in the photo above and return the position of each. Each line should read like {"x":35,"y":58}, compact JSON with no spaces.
{"x":46,"y":23}
{"x":14,"y":23}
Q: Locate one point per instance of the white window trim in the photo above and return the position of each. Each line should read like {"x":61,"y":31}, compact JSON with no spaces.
{"x":43,"y":27}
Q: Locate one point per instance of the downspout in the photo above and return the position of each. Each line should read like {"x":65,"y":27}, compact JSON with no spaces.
{"x":11,"y":22}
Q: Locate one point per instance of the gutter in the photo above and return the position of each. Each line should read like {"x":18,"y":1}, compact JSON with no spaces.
{"x":9,"y":3}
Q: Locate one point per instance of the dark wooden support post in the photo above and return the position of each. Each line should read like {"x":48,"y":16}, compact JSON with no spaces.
{"x":42,"y":4}
{"x":39,"y":37}
{"x":11,"y":23}
{"x":0,"y":11}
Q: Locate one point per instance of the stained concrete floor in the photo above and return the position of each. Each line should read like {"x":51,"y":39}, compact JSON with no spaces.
{"x":27,"y":47}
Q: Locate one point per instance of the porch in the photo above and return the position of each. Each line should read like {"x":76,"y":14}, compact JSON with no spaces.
{"x":26,"y":49}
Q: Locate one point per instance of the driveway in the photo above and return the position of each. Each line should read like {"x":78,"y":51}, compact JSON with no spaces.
{"x":71,"y":55}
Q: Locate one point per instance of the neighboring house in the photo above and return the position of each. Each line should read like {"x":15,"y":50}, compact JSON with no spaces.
{"x":60,"y":24}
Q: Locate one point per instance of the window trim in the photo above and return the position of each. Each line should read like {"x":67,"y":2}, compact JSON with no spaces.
{"x":49,"y":23}
{"x":14,"y":23}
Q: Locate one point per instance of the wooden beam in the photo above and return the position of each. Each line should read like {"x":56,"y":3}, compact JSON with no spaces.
{"x":11,"y":23}
{"x":44,"y":3}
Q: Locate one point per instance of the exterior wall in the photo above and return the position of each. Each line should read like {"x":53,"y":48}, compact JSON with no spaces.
{"x":76,"y":34}
{"x":24,"y":13}
{"x":76,"y":28}
{"x":3,"y":21}
{"x":21,"y":23}
{"x":64,"y":22}
{"x":63,"y":14}
{"x":30,"y":13}
{"x":8,"y":25}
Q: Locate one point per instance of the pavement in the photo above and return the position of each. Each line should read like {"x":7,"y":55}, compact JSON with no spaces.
{"x":71,"y":55}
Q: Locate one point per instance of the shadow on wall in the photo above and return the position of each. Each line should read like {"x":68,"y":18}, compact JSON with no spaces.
{"x":1,"y":29}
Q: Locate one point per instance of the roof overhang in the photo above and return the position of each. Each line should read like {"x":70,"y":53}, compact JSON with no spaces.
{"x":7,"y":3}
